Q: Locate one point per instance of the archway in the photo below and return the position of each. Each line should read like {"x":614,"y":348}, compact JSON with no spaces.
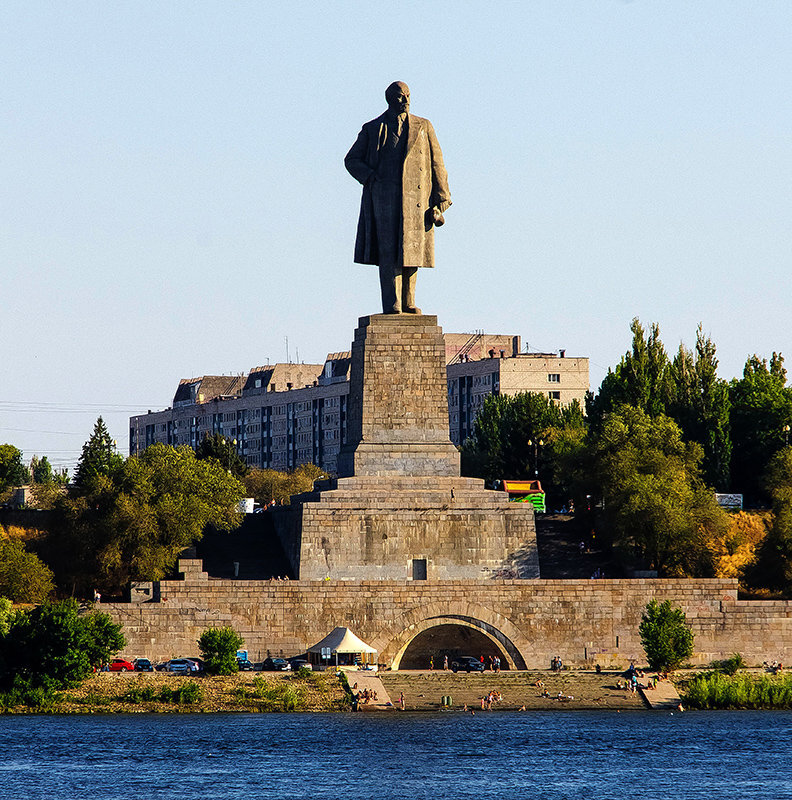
{"x":450,"y":639}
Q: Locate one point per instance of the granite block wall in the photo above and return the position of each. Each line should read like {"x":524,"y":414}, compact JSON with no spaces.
{"x":583,"y":622}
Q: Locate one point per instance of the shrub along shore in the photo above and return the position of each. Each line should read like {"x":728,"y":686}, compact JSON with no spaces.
{"x":117,"y":693}
{"x":715,"y":690}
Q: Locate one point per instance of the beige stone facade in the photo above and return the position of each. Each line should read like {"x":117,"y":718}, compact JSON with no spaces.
{"x":528,"y":621}
{"x":557,"y":377}
{"x":288,"y":414}
{"x":401,"y":510}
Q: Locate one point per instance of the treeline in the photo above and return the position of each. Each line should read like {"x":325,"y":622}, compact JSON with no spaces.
{"x":126,"y":519}
{"x":644,"y":461}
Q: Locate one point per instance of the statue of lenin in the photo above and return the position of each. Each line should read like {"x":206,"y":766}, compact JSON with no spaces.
{"x":405,"y":192}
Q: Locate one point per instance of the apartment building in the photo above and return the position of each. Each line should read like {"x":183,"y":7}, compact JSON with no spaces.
{"x":283,"y":415}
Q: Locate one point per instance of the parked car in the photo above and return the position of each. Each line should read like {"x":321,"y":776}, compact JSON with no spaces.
{"x":466,"y":664}
{"x":143,"y":665}
{"x":180,"y":666}
{"x":245,"y":665}
{"x":275,"y":665}
{"x":299,"y":663}
{"x":121,"y":665}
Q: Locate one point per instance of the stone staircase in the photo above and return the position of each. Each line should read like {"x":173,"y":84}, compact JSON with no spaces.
{"x":424,"y":690}
{"x":664,"y":697}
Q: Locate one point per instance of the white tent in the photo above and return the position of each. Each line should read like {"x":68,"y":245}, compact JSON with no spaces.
{"x":342,"y":642}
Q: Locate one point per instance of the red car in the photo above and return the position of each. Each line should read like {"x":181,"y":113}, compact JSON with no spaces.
{"x":121,"y":665}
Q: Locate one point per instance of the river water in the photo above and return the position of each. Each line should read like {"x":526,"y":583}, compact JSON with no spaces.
{"x":546,"y":755}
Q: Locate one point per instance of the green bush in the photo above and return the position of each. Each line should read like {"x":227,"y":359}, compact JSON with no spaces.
{"x":665,"y":636}
{"x":34,"y":697}
{"x":218,"y":650}
{"x":186,"y":694}
{"x":305,"y":674}
{"x":280,"y":697}
{"x":54,"y":646}
{"x":140,"y":694}
{"x":714,"y":690}
{"x":730,"y":665}
{"x":24,"y":578}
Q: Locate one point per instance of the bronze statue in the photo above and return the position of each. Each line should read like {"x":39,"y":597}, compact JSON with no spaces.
{"x":405,"y":192}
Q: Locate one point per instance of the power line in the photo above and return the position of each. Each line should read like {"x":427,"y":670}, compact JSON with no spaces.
{"x":72,"y":408}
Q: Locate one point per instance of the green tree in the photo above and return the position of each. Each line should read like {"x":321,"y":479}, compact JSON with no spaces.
{"x":134,"y":524}
{"x":641,"y":379}
{"x":224,"y":452}
{"x":12,"y":471}
{"x":265,"y":485}
{"x":53,"y":646}
{"x":761,"y":405}
{"x":700,"y":406}
{"x":41,"y":470}
{"x":6,"y":612}
{"x":656,"y":504}
{"x":61,"y":477}
{"x":505,"y":424}
{"x":24,"y":578}
{"x":218,"y":648}
{"x":773,"y":569}
{"x":99,"y":457}
{"x":666,"y":638}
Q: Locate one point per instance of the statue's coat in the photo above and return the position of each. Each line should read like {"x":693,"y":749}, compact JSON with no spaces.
{"x":424,"y":185}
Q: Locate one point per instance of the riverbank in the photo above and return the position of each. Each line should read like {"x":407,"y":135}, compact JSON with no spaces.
{"x":157,"y":692}
{"x":115,"y":693}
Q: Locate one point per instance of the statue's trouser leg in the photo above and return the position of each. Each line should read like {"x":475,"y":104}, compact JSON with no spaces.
{"x":391,"y":288}
{"x":408,"y":288}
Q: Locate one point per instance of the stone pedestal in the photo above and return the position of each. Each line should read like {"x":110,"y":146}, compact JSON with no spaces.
{"x":400,"y":510}
{"x":397,"y":418}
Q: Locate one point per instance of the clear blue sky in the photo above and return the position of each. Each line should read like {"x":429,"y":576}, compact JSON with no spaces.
{"x":174,"y":200}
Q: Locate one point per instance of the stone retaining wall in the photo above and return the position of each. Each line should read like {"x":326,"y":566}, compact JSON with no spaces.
{"x":531,"y":620}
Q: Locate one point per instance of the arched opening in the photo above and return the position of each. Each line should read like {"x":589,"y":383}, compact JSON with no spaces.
{"x":450,"y":640}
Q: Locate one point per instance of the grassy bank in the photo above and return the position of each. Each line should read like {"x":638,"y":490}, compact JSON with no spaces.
{"x":714,"y":690}
{"x":116,"y":693}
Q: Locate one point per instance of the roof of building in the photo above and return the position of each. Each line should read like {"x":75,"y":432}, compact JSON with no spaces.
{"x":208,"y":387}
{"x":342,"y":640}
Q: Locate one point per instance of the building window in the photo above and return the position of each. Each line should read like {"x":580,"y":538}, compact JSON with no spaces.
{"x":554,"y":377}
{"x":419,"y":569}
{"x":554,"y":395}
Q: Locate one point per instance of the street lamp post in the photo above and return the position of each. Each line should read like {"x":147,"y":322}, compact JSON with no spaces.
{"x":786,"y":435}
{"x":536,"y":446}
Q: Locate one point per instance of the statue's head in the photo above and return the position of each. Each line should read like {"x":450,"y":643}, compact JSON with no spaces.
{"x":398,"y":97}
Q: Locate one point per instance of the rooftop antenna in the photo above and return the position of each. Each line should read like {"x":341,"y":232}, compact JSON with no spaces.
{"x":287,"y":351}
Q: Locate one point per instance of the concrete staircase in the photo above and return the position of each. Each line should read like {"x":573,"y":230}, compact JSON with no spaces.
{"x":424,"y":690}
{"x":360,"y":681}
{"x":664,"y":697}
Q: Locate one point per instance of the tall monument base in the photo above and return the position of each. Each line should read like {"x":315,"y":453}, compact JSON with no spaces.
{"x":400,"y":510}
{"x":398,"y":400}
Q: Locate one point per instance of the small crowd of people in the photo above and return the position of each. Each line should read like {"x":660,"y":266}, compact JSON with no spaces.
{"x":489,"y":699}
{"x":279,"y":578}
{"x":556,"y":664}
{"x":633,"y":675}
{"x":363,"y":697}
{"x":597,"y":574}
{"x":775,"y":667}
